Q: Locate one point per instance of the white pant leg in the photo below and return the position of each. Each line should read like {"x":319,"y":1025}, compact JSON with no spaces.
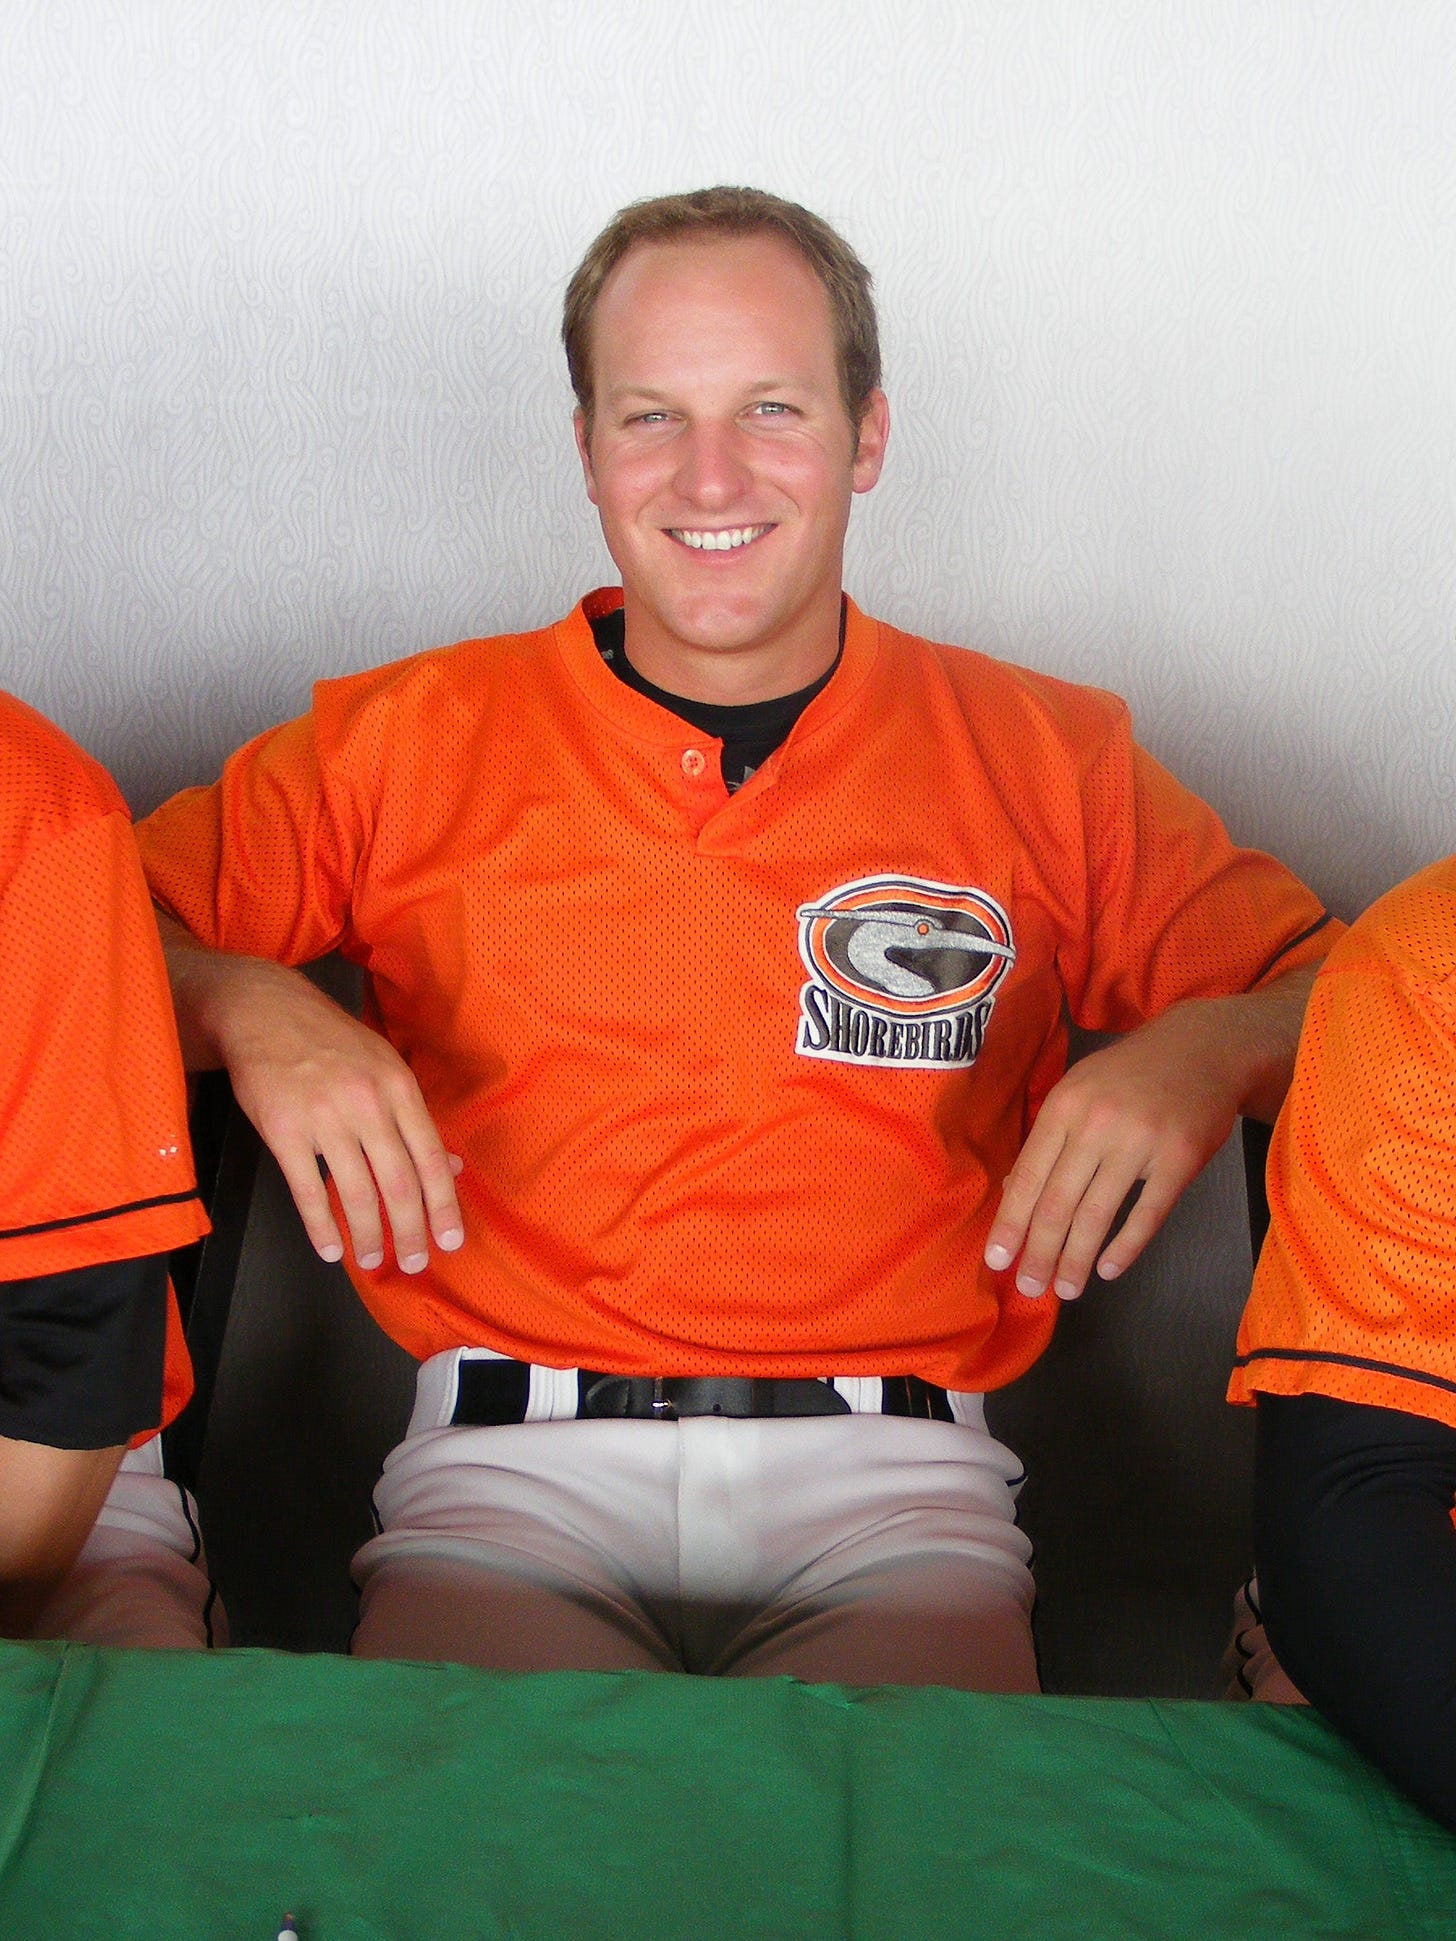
{"x":1249,"y":1663}
{"x":516,"y":1548}
{"x":141,"y":1578}
{"x":859,"y":1548}
{"x":891,"y":1554}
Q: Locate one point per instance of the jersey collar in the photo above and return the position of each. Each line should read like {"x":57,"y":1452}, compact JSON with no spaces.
{"x":633,"y":714}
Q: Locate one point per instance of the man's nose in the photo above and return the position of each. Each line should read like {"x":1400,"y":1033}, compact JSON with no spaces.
{"x":711,"y":468}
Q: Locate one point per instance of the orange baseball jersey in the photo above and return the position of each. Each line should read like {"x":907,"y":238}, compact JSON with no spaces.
{"x":1355,"y":1294}
{"x":735,"y":1078}
{"x":95,"y":1164}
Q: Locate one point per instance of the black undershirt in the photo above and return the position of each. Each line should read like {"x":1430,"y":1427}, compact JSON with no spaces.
{"x":749,"y":733}
{"x":1356,"y":1555}
{"x":81,"y":1354}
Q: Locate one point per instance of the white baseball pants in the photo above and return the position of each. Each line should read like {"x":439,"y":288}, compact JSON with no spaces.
{"x":141,"y":1578}
{"x":857,"y":1549}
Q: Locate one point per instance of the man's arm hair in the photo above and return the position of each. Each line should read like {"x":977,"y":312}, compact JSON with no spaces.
{"x":206,"y":984}
{"x":1263,"y":1030}
{"x":1356,"y":1556}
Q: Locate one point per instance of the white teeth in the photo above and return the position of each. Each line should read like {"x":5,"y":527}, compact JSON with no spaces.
{"x":718,"y":542}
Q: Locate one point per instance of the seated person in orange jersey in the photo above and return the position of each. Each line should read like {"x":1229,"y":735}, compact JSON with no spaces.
{"x":95,"y":1186}
{"x":725,"y":937}
{"x":1348,"y":1348}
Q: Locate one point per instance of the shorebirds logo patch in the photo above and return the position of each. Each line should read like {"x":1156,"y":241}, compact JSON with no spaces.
{"x":901,"y":972}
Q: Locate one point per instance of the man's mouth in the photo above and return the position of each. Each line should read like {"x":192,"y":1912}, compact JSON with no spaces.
{"x":730,"y":540}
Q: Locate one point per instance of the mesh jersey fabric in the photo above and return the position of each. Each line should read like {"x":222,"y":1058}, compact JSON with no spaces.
{"x":95,"y":1164}
{"x":1355,"y":1294}
{"x":594,"y":959}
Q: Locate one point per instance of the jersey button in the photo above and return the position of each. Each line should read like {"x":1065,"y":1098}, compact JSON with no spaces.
{"x":694,"y":761}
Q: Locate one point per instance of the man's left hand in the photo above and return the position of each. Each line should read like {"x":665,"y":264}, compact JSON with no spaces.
{"x":1147,"y":1112}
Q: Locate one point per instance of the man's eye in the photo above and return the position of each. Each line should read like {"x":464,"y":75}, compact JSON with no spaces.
{"x":649,"y":418}
{"x":771,"y":408}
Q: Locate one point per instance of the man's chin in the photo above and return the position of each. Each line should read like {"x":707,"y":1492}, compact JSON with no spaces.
{"x":714,"y":626}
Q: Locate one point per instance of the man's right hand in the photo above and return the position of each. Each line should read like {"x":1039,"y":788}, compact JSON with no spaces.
{"x":320,"y":1086}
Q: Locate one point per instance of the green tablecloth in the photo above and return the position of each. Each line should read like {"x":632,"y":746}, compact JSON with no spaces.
{"x":201,"y":1797}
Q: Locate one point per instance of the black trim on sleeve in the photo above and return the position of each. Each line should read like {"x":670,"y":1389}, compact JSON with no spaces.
{"x":107,"y":1213}
{"x":81,"y":1354}
{"x":1284,"y":949}
{"x":1356,"y":1556}
{"x":1329,"y":1359}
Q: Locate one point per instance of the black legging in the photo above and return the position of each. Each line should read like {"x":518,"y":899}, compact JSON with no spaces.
{"x":1356,"y":1555}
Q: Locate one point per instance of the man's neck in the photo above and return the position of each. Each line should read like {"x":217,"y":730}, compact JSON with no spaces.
{"x":749,"y":731}
{"x":725,"y":677}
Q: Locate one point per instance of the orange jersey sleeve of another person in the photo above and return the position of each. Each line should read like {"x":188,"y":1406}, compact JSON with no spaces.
{"x":710,"y":1124}
{"x":95,"y":1165}
{"x":1355,"y":1294}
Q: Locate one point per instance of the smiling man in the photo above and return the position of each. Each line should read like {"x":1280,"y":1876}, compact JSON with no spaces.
{"x":709,"y":1138}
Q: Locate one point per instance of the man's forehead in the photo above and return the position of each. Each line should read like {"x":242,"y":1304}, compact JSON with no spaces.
{"x":697,"y":280}
{"x":690,"y":264}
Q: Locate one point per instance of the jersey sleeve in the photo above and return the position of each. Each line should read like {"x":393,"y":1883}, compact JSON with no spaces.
{"x":1355,"y":1294}
{"x":95,"y":1163}
{"x":1175,"y":909}
{"x":261,"y":862}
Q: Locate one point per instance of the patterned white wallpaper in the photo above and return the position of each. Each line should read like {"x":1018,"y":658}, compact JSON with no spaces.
{"x":1166,"y":286}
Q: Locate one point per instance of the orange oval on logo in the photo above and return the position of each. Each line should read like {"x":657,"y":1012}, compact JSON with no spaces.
{"x":909,"y":949}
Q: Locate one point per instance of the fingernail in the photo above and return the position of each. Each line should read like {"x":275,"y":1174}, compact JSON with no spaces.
{"x":450,"y":1239}
{"x":1067,"y":1290}
{"x":412,"y":1263}
{"x":999,"y":1257}
{"x":333,"y":1251}
{"x":457,"y":1164}
{"x":371,"y":1260}
{"x":1028,"y":1284}
{"x":1108,"y":1269}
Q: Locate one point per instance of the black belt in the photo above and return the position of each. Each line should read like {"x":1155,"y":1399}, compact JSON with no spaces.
{"x":494,"y":1393}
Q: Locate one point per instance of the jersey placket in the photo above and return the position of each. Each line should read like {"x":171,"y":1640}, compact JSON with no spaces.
{"x":701,"y":788}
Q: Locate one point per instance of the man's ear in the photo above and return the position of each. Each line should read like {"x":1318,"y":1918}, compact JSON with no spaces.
{"x":583,"y":452}
{"x":874,"y":435}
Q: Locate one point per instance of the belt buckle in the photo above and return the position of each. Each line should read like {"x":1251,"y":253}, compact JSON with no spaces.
{"x":664,"y":1409}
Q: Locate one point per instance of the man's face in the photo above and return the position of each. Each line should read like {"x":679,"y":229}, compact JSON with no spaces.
{"x":722,"y":462}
